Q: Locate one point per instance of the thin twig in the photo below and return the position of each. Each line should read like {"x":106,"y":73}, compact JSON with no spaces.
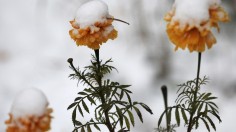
{"x":118,"y":20}
{"x":70,"y":61}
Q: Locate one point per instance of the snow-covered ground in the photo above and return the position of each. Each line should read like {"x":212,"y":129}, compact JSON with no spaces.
{"x":35,"y":46}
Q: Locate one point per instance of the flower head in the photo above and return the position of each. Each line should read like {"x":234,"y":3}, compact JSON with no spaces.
{"x":190,"y":22}
{"x":92,"y":25}
{"x":29,"y":113}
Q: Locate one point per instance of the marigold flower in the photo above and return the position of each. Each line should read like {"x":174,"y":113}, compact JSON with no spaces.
{"x":190,"y":22}
{"x":30,"y":123}
{"x":92,"y":25}
{"x":29,"y":113}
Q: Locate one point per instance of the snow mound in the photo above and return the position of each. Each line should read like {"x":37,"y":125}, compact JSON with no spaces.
{"x":29,"y":102}
{"x":91,"y":12}
{"x":193,"y":12}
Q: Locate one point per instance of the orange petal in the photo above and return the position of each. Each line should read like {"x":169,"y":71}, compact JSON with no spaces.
{"x":201,"y":44}
{"x":210,"y":40}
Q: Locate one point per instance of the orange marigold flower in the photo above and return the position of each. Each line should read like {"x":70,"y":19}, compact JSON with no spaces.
{"x":30,"y":123}
{"x":29,"y":112}
{"x":192,"y":28}
{"x":92,"y":25}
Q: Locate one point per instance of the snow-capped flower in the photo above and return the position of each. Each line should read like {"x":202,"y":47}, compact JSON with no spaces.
{"x":29,"y":112}
{"x":190,"y":22}
{"x":92,"y":25}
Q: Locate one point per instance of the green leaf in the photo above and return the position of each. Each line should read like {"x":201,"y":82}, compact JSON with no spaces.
{"x":177,"y":117}
{"x":196,"y":123}
{"x":107,"y":82}
{"x":206,"y":109}
{"x":123,"y":86}
{"x":80,"y":110}
{"x":72,"y":105}
{"x":199,"y":98}
{"x":160,"y":119}
{"x":120,"y":116}
{"x":216,"y":115}
{"x":169,"y":116}
{"x":206,"y":96}
{"x":82,"y":129}
{"x":121,"y":94}
{"x":138,"y":113}
{"x":100,"y":114}
{"x":211,"y":98}
{"x":91,"y":100}
{"x":206,"y":124}
{"x":78,"y":98}
{"x":211,"y":122}
{"x":146,"y":108}
{"x":127,"y":91}
{"x":127,"y":122}
{"x":212,"y":103}
{"x":114,"y":92}
{"x":88,"y":90}
{"x":199,"y":108}
{"x":91,"y":120}
{"x":212,"y":108}
{"x":184,"y":116}
{"x":75,"y":130}
{"x":74,"y":116}
{"x":180,"y":100}
{"x":130,"y":101}
{"x":113,"y":119}
{"x":77,"y":123}
{"x":96,"y":126}
{"x":108,"y":91}
{"x":109,"y":106}
{"x":131,"y":117}
{"x":88,"y":128}
{"x":82,"y":93}
{"x":85,"y":106}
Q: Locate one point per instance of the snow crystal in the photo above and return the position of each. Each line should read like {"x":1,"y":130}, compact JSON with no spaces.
{"x":193,"y":12}
{"x":91,"y":12}
{"x":29,"y":102}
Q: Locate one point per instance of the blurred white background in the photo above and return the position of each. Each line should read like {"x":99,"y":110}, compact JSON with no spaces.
{"x":35,"y":45}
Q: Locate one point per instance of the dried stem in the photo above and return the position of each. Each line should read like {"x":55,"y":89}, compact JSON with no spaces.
{"x":118,"y":20}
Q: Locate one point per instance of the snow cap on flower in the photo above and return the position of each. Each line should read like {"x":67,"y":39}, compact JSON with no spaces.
{"x":29,"y":112}
{"x":92,"y":25}
{"x":190,"y":22}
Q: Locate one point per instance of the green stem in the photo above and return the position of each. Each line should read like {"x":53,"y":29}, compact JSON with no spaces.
{"x":191,"y":123}
{"x":108,"y":123}
{"x":70,"y":61}
{"x":119,"y":117}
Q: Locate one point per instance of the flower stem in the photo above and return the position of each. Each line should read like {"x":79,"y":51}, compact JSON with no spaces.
{"x":191,"y":123}
{"x":198,"y":69}
{"x":108,"y":123}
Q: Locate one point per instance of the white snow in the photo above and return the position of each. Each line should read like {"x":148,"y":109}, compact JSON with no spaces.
{"x":37,"y":58}
{"x":91,"y":12}
{"x":29,"y":102}
{"x":193,"y":12}
{"x":108,"y":30}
